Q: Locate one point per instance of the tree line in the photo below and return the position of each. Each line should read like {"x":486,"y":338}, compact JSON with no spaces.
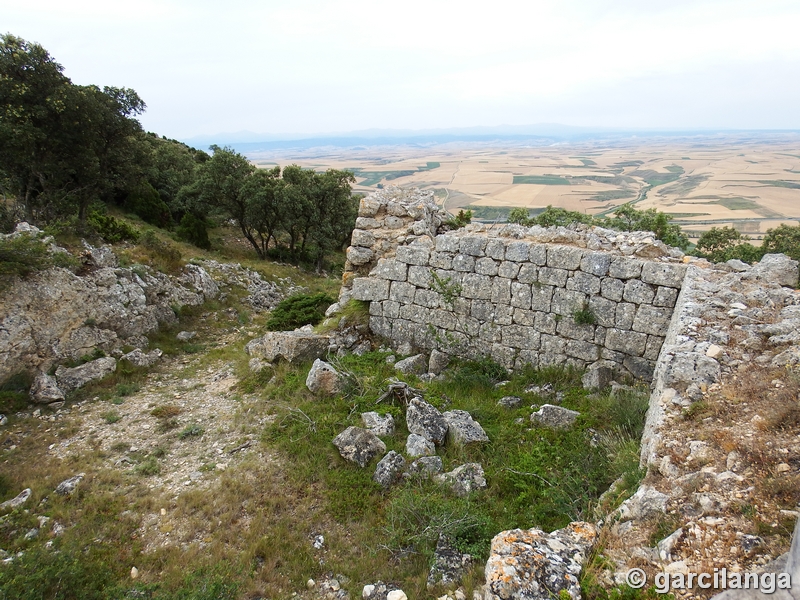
{"x":68,"y":152}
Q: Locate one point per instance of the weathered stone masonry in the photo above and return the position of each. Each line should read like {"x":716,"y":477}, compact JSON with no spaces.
{"x":513,"y":293}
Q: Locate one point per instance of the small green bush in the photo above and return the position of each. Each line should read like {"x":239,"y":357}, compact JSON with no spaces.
{"x":22,"y":255}
{"x":145,"y":202}
{"x":299,"y":310}
{"x":460,"y":220}
{"x":164,"y":256}
{"x":194,"y":230}
{"x":193,"y":430}
{"x":584,"y":316}
{"x":111,"y":229}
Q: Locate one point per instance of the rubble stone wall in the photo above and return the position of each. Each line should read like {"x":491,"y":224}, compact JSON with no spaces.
{"x":524,"y":296}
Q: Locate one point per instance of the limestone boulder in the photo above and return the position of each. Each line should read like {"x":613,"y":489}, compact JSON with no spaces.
{"x":358,"y":445}
{"x":556,"y":417}
{"x":426,"y":465}
{"x":70,"y":379}
{"x":462,"y":429}
{"x":535,"y":565}
{"x":291,"y":346}
{"x":45,"y":390}
{"x":413,"y":365}
{"x":17,"y":500}
{"x":68,"y":486}
{"x":416,"y":445}
{"x":141,"y":359}
{"x":425,"y":420}
{"x":389,"y":469}
{"x":380,"y":425}
{"x":449,"y":564}
{"x":323,"y":378}
{"x":464,"y":480}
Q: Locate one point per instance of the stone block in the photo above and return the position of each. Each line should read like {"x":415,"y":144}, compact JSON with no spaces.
{"x":370,"y":288}
{"x":584,"y":282}
{"x":414,"y":313}
{"x":501,"y":290}
{"x":368,"y":207}
{"x":490,"y":333}
{"x":528,"y":273}
{"x":394,"y":222}
{"x":564,"y":257}
{"x":638,"y":292}
{"x":604,"y":311}
{"x":566,"y":302}
{"x":447,"y":243}
{"x":525,"y":358}
{"x":402,"y":292}
{"x":538,"y":254}
{"x":546,"y":323}
{"x":381,"y":326}
{"x":641,"y":368}
{"x":495,"y":249}
{"x":443,"y":319}
{"x":612,"y":289}
{"x":503,"y":355}
{"x":518,"y":251}
{"x":441,"y":260}
{"x":665,"y":296}
{"x":464,"y":263}
{"x":555,"y":277}
{"x":486,"y":266}
{"x":520,"y":295}
{"x":389,"y":268}
{"x":627,"y":342}
{"x":508,"y":269}
{"x":551,"y":346}
{"x":524,"y":317}
{"x":391,"y":309}
{"x":376,"y":309}
{"x":419,"y":276}
{"x":368,"y":223}
{"x":666,"y":274}
{"x":568,"y":328}
{"x":472,"y":245}
{"x":482,"y":310}
{"x":596,"y":263}
{"x":359,"y":256}
{"x":654,"y":343}
{"x":413,"y":255}
{"x":476,"y":286}
{"x":426,"y":298}
{"x":582,"y":350}
{"x":652,"y":319}
{"x":396,"y":209}
{"x":362,"y":237}
{"x":623,"y":267}
{"x":625,"y":315}
{"x":600,"y":335}
{"x":541,"y":297}
{"x":503,"y":314}
{"x":519,"y":336}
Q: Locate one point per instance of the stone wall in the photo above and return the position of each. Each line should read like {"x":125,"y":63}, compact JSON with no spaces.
{"x":520,"y":295}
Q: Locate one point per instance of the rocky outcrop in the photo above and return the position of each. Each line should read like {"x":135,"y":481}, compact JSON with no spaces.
{"x":70,"y":379}
{"x":45,"y":390}
{"x":534,"y":565}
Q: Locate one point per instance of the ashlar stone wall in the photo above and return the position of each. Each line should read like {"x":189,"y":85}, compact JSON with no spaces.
{"x":520,"y":295}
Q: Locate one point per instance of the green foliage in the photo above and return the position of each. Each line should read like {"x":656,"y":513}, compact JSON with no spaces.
{"x":194,"y":230}
{"x":480,"y":373}
{"x":21,"y":255}
{"x":783,"y":239}
{"x":191,"y":430}
{"x":460,"y":220}
{"x":14,"y":393}
{"x":450,"y":292}
{"x":145,"y":202}
{"x":148,"y":467}
{"x":584,"y":316}
{"x":111,"y":229}
{"x":299,"y":310}
{"x":721,"y":244}
{"x":163,"y":255}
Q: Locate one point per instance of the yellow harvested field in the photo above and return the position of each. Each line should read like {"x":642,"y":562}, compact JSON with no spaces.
{"x":749,"y":181}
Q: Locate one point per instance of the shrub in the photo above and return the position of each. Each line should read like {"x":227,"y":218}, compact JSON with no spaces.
{"x":193,"y":430}
{"x":584,"y":316}
{"x":111,"y":229}
{"x":163,"y":255}
{"x":299,"y":310}
{"x":721,"y":244}
{"x":194,"y":230}
{"x":145,"y":202}
{"x":460,"y":220}
{"x":783,"y":239}
{"x":21,"y":255}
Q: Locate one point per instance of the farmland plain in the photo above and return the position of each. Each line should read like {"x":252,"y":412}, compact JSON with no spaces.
{"x":747,"y":180}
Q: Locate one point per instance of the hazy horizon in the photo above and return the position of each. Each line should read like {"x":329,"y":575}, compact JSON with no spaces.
{"x":311,"y":68}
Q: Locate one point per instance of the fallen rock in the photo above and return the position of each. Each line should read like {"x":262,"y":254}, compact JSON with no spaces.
{"x":45,"y":390}
{"x":185,"y":336}
{"x":438,"y":362}
{"x":449,"y":565}
{"x":380,"y":425}
{"x":598,"y":377}
{"x":257,"y":365}
{"x":510,"y":402}
{"x":425,"y":420}
{"x":18,"y":500}
{"x":462,"y":429}
{"x":557,"y":417}
{"x":777,"y":268}
{"x":139,"y":359}
{"x":389,"y":469}
{"x":427,"y":465}
{"x":413,"y":365}
{"x":359,"y":445}
{"x":68,"y":486}
{"x":199,"y":279}
{"x":396,"y":595}
{"x":534,"y":565}
{"x":464,"y":479}
{"x":291,"y":346}
{"x":323,"y":378}
{"x":76,"y":377}
{"x":416,"y":445}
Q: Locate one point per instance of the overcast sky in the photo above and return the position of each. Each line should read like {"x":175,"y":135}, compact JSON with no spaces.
{"x":309,"y":66}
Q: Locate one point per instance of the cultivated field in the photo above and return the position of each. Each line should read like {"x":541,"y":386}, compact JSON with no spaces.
{"x":749,"y":181}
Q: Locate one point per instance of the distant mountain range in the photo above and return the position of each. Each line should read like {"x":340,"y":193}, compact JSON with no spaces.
{"x":539,"y":134}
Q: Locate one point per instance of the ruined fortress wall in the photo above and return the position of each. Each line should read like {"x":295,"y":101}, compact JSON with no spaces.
{"x":520,"y":295}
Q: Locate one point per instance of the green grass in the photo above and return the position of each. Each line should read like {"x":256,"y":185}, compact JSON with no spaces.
{"x":792,"y":185}
{"x":429,"y":166}
{"x":607,"y":195}
{"x":540,"y":180}
{"x":656,"y":178}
